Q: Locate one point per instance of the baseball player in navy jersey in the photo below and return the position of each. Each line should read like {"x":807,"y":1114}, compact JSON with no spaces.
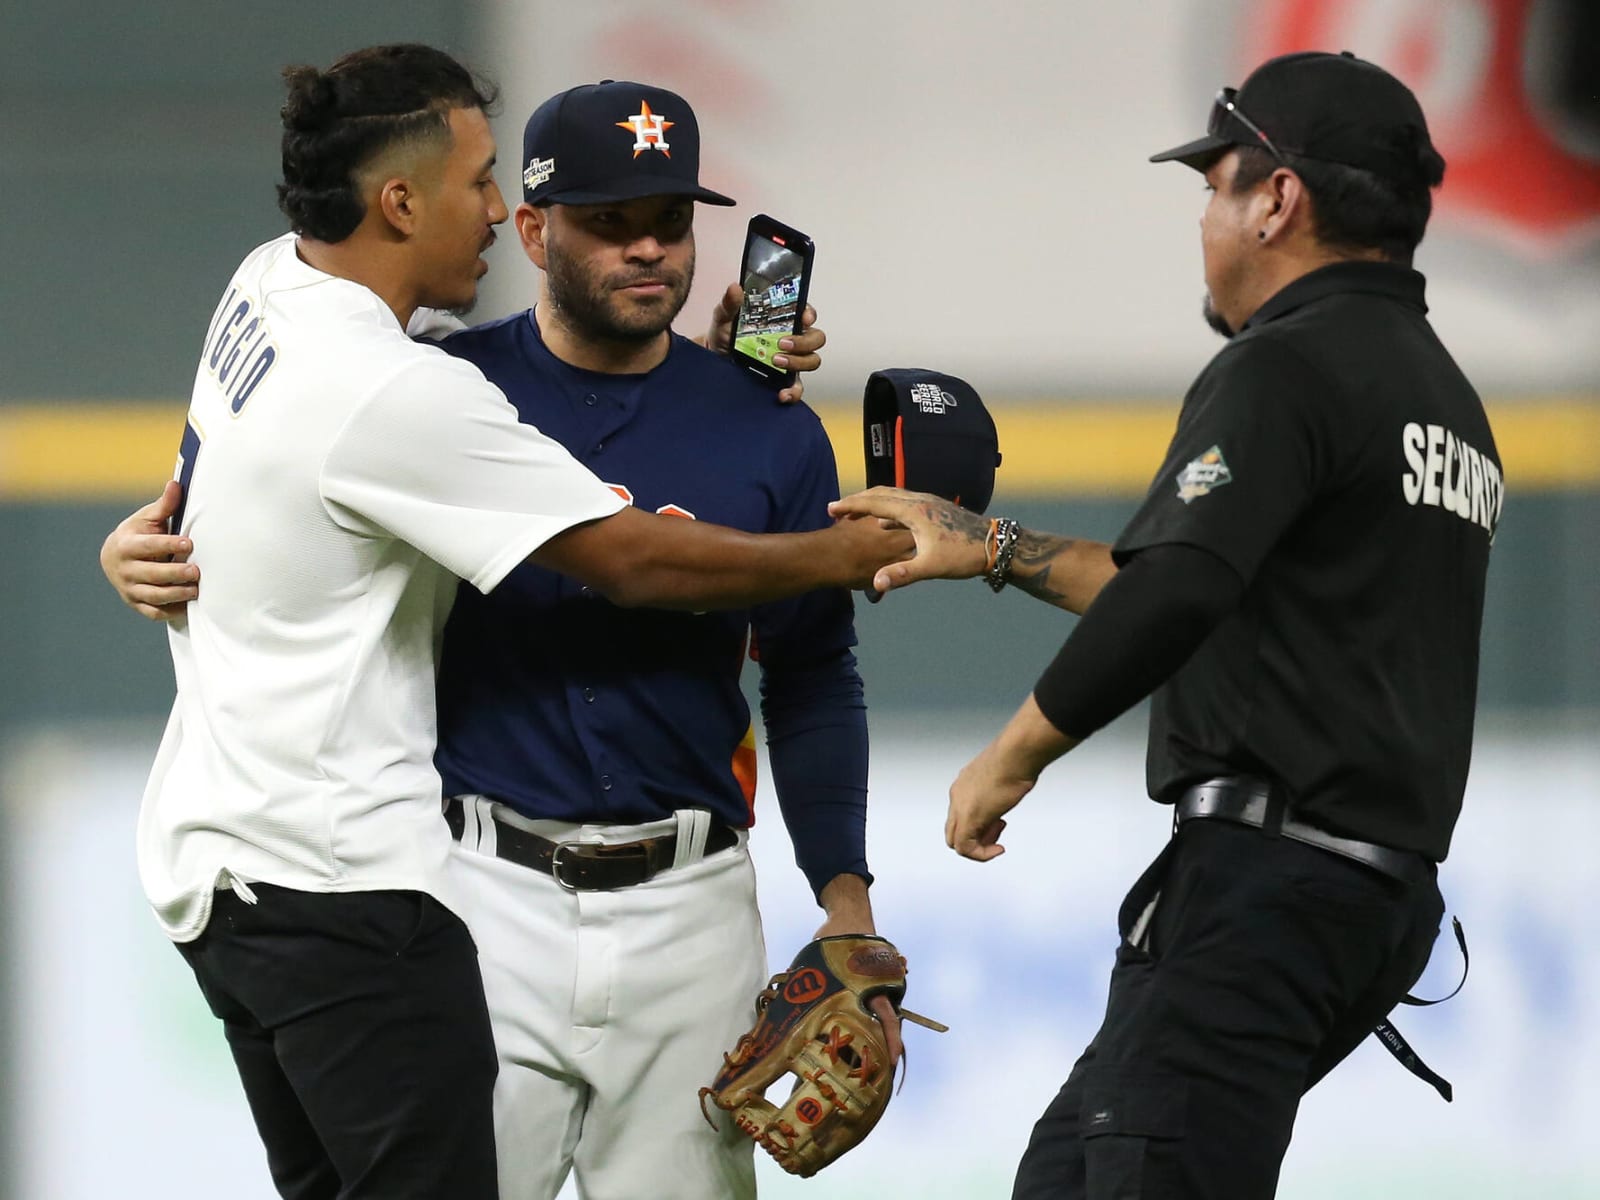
{"x":566,"y":718}
{"x":335,"y":480}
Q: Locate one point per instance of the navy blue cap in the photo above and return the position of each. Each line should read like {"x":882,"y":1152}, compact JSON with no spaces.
{"x":929,"y":432}
{"x":610,"y":141}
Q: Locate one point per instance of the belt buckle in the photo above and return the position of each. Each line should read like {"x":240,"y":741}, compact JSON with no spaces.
{"x":555,"y":866}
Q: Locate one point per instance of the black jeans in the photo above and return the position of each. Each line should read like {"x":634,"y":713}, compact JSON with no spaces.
{"x":1267,"y":962}
{"x":359,"y":1028}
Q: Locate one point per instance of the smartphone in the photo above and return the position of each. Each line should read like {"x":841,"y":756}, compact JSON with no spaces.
{"x":776,"y":277}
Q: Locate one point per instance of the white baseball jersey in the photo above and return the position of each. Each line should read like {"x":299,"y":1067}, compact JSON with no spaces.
{"x":338,"y":477}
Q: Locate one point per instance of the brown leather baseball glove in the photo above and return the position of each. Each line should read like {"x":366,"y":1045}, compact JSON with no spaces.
{"x":813,"y":1021}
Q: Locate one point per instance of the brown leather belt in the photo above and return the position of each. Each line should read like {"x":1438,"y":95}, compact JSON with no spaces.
{"x":1249,"y":801}
{"x":588,"y":866}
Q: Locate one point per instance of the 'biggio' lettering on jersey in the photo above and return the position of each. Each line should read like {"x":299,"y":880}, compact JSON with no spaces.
{"x":239,"y":351}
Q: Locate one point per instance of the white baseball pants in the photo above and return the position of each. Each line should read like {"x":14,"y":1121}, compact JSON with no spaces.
{"x":610,"y":1010}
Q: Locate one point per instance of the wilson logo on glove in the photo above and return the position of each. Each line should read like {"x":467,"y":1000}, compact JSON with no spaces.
{"x":805,"y":986}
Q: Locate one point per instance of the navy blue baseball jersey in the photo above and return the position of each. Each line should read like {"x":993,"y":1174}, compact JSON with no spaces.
{"x":562,"y":705}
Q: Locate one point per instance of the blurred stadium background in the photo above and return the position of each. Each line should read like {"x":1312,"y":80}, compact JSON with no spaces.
{"x":974,"y":178}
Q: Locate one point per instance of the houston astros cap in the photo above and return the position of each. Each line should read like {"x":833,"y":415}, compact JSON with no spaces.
{"x":611,"y":141}
{"x":1331,"y":107}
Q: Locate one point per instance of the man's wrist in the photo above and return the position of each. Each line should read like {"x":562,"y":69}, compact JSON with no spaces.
{"x":848,"y":906}
{"x":999,"y":548}
{"x":1029,"y":743}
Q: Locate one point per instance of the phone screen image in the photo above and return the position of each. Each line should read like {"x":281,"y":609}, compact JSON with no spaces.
{"x":773,"y":278}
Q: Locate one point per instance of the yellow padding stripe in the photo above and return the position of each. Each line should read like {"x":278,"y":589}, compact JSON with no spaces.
{"x":1100,"y":448}
{"x":88,"y":451}
{"x":122,"y":451}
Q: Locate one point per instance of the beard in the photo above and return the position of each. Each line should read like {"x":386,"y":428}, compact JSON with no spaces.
{"x":591,"y":306}
{"x":1215,"y":319}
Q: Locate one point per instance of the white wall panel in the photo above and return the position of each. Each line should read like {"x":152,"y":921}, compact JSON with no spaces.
{"x":119,"y":1053}
{"x":975,"y":178}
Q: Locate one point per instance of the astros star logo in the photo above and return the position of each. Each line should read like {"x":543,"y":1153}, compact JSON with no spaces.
{"x":649,"y":130}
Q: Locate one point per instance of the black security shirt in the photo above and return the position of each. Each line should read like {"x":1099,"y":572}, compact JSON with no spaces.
{"x":1335,"y":456}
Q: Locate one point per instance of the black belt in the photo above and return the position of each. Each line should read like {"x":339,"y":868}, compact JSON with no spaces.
{"x":1250,"y":801}
{"x":587,"y":866}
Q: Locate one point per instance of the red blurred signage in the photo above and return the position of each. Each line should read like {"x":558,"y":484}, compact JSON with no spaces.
{"x":1519,"y":166}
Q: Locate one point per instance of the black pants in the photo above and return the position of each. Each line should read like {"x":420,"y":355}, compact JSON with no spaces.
{"x":359,"y":1028}
{"x":1267,"y":962}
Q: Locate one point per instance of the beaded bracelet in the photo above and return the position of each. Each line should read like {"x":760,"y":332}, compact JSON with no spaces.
{"x":1004,"y":531}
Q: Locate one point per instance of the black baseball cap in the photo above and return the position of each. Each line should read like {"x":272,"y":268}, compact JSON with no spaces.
{"x":611,"y":141}
{"x":929,"y":432}
{"x":1331,"y":107}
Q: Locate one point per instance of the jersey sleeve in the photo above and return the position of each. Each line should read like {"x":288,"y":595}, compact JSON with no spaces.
{"x":439,"y":460}
{"x":816,"y":723}
{"x":1247,"y":457}
{"x":811,"y":695}
{"x":818,"y":624}
{"x":1142,"y":627}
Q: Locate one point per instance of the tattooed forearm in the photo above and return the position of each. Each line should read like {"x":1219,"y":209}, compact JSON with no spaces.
{"x":1066,"y":572}
{"x":1037,"y":585}
{"x":1035,"y":558}
{"x":1034,"y":549}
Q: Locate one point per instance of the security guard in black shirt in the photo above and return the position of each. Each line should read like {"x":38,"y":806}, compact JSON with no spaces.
{"x":1302,"y":590}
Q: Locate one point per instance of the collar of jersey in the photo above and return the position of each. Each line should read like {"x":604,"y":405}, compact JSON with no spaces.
{"x":1393,"y":280}
{"x":289,"y":271}
{"x":614,"y":377}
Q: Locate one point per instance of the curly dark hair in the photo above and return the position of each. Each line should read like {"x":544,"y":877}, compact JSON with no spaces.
{"x":337,"y":121}
{"x":1354,"y":209}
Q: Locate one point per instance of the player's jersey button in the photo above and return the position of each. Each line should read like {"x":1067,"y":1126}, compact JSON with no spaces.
{"x":591,"y":399}
{"x":588,"y":695}
{"x":605,"y":783}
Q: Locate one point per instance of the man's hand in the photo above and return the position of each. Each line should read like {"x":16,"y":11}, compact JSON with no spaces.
{"x":800,"y":351}
{"x":866,"y":546}
{"x":951,"y":542}
{"x":149,"y":567}
{"x":980,"y":797}
{"x":849,"y":910}
{"x":992,"y":784}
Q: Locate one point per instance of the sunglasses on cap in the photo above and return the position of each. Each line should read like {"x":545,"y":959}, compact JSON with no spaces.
{"x":1223,"y":107}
